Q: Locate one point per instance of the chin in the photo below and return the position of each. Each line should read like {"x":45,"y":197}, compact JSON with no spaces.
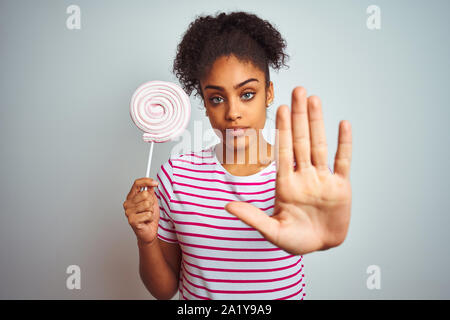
{"x":237,"y":143}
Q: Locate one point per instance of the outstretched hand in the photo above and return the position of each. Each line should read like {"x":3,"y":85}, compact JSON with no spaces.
{"x":312,"y":205}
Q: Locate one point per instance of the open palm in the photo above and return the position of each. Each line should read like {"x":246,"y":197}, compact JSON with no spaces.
{"x":312,"y":205}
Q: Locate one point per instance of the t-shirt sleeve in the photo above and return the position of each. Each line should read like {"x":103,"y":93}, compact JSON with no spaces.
{"x":164,"y":193}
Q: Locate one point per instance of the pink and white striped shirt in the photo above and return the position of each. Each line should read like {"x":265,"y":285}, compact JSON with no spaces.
{"x":222,"y":257}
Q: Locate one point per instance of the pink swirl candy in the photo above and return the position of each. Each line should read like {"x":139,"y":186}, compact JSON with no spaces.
{"x":161,"y":109}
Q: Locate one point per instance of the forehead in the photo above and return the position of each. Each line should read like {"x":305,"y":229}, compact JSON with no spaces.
{"x":229,"y":70}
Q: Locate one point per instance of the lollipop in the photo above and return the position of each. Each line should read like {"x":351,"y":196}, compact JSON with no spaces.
{"x":161,"y":110}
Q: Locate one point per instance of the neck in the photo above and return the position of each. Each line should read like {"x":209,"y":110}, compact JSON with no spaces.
{"x":257,"y":153}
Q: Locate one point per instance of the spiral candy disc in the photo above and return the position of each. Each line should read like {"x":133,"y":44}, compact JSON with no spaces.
{"x":161,"y":110}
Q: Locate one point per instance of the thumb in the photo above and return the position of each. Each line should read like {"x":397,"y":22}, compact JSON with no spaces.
{"x":256,"y":218}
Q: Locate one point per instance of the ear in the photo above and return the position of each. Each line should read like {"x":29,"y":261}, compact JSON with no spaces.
{"x":269,"y":94}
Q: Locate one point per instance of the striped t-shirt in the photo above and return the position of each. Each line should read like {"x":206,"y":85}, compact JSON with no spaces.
{"x":222,"y":257}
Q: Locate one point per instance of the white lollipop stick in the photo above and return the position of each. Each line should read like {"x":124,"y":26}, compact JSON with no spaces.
{"x":147,"y":175}
{"x":160,"y":109}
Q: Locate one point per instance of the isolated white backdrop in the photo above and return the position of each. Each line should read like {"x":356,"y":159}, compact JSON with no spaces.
{"x":69,"y":151}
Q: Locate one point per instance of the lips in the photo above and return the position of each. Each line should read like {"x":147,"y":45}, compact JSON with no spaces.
{"x":236,"y":131}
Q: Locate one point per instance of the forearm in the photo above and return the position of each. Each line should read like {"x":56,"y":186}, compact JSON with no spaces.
{"x":155,"y":272}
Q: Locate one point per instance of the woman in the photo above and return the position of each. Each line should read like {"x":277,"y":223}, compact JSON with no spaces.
{"x":215,"y":228}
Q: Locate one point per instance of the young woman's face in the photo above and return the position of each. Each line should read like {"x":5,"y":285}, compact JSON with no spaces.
{"x":235,"y":95}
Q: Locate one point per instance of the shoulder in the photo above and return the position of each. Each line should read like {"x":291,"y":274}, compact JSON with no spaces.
{"x":191,"y":160}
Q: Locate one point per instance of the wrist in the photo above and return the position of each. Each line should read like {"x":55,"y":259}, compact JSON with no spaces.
{"x":144,"y":245}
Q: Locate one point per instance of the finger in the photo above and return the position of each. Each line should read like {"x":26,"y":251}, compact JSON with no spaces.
{"x":256,"y":218}
{"x":141,"y":196}
{"x":128,"y":212}
{"x":144,"y":206}
{"x":140,"y":183}
{"x":155,"y":205}
{"x":344,"y":151}
{"x":319,"y":147}
{"x":300,"y":128}
{"x":141,"y":218}
{"x":128,"y":205}
{"x":283,"y":144}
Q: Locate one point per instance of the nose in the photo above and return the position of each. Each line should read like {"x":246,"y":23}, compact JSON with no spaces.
{"x":233,"y":110}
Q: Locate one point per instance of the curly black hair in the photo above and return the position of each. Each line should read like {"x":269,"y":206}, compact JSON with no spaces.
{"x":243,"y":34}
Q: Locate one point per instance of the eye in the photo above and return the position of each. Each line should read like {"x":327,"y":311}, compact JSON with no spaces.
{"x":248,"y":93}
{"x":246,"y":96}
{"x":214,"y":101}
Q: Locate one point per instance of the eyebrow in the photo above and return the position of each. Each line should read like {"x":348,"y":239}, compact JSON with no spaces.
{"x":235,"y":87}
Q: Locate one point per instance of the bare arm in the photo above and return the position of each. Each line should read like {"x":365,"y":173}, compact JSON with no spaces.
{"x":159,"y":268}
{"x":159,"y":261}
